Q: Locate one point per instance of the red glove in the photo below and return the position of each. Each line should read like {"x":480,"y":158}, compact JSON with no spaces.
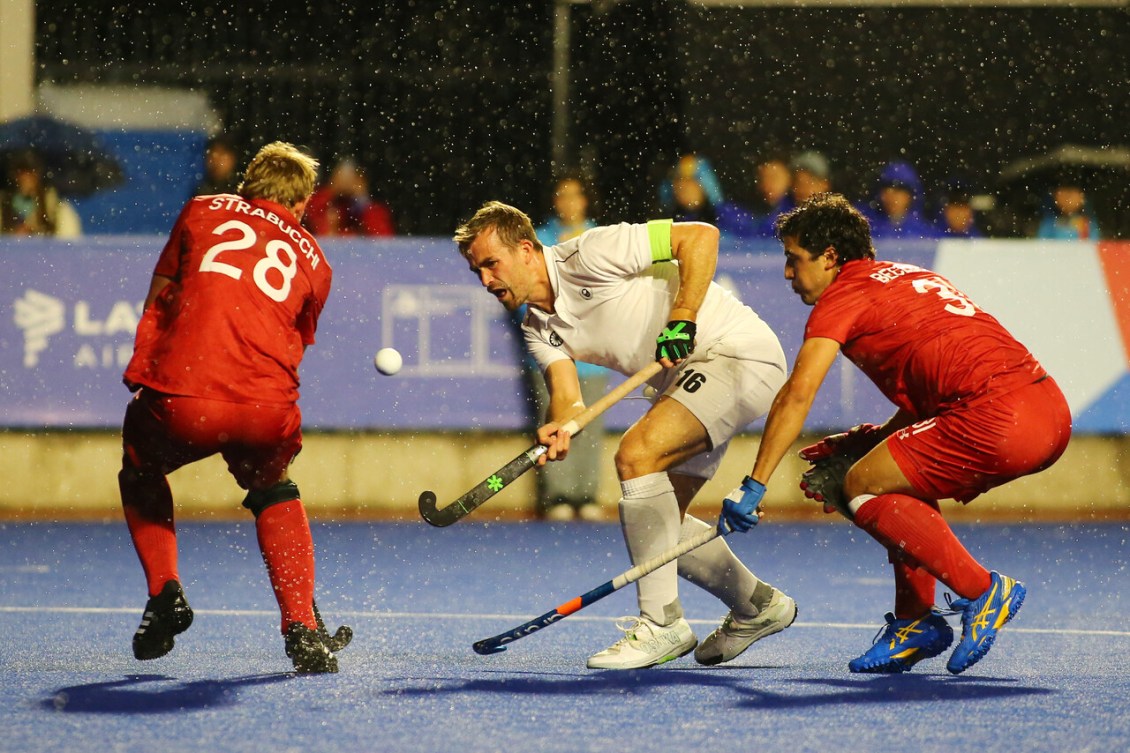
{"x":824,"y":482}
{"x":853,"y":443}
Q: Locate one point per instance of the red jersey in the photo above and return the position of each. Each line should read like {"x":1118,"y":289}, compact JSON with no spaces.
{"x":248,"y":286}
{"x":923,"y":343}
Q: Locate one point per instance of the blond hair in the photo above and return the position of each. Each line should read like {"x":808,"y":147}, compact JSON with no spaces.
{"x":281,"y":173}
{"x":511,"y":224}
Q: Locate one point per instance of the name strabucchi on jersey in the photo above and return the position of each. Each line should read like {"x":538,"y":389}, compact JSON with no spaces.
{"x":555,"y":340}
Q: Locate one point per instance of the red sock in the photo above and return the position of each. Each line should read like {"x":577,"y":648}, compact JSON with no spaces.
{"x":915,"y":527}
{"x":914,"y":588}
{"x":147,"y":504}
{"x":288,"y":552}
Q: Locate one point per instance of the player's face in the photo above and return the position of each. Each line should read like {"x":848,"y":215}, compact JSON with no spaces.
{"x":809,"y":276}
{"x":500,"y":269}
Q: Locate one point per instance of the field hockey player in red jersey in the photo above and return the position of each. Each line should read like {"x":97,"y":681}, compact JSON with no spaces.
{"x":974,"y":411}
{"x":233,"y":303}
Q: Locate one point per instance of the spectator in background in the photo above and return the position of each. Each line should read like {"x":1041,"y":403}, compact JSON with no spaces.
{"x":811,"y":175}
{"x":896,"y":210}
{"x":220,"y":163}
{"x":567,"y":491}
{"x":570,"y":211}
{"x":693,"y":193}
{"x":1068,"y":217}
{"x":956,"y":218}
{"x":773,"y":180}
{"x":344,"y":207}
{"x":31,"y":206}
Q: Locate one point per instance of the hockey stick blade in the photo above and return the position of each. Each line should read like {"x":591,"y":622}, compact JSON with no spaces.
{"x":496,"y":644}
{"x":487,"y":488}
{"x":500,"y":479}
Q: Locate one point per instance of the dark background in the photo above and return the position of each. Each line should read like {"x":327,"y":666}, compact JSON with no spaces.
{"x":449,"y":103}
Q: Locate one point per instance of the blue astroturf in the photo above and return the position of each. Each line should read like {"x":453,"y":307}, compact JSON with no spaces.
{"x":1057,"y":679}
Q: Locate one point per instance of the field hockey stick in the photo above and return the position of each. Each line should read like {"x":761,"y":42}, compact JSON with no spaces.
{"x":498,"y":643}
{"x":500,"y":479}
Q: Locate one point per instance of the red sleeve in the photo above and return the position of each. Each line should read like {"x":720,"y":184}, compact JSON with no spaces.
{"x":307,"y":321}
{"x":169,"y":263}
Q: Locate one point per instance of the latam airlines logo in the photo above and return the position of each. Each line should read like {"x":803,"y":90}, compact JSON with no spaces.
{"x":41,"y":316}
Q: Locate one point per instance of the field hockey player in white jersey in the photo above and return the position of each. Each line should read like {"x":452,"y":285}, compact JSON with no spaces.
{"x":623,"y":296}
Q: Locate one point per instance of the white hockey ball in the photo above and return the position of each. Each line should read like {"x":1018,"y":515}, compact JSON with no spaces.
{"x":388,"y":361}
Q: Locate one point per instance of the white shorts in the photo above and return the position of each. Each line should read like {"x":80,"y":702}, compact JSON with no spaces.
{"x":725,"y":394}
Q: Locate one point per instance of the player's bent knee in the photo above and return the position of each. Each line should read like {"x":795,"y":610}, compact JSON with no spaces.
{"x":634,"y":459}
{"x":258,"y":500}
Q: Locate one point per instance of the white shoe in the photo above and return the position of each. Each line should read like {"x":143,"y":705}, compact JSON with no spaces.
{"x":736,"y":634}
{"x":645,"y":644}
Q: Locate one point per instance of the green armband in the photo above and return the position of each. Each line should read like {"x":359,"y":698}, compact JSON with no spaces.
{"x":659,"y":237}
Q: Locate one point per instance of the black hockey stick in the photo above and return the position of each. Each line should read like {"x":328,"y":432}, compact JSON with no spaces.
{"x":500,"y":479}
{"x":498,"y":643}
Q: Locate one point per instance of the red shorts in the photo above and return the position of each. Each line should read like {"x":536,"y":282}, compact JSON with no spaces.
{"x":968,"y":450}
{"x":258,"y":442}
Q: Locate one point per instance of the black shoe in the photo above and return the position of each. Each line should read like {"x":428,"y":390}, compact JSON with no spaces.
{"x":307,"y":651}
{"x":166,"y":614}
{"x":339,"y":639}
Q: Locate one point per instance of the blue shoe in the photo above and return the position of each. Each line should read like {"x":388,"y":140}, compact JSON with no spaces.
{"x":982,"y":617}
{"x":904,"y":643}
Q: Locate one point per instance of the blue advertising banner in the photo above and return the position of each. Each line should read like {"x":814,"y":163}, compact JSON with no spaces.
{"x":72,"y":307}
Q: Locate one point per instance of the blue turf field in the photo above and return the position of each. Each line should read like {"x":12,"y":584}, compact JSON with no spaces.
{"x":1058,"y":678}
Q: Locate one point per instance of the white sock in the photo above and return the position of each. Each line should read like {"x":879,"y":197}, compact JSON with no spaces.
{"x":716,"y":569}
{"x":859,"y":502}
{"x":649,"y":517}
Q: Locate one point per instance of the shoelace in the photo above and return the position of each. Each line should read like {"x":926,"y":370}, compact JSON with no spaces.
{"x":629,"y":625}
{"x":949,"y":611}
{"x":954,"y":605}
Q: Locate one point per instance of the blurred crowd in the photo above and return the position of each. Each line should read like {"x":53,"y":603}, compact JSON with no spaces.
{"x":899,"y":204}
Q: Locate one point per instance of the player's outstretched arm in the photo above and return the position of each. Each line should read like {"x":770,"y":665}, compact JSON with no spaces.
{"x":793,"y":402}
{"x":695,"y":246}
{"x":782,"y":427}
{"x":565,"y":402}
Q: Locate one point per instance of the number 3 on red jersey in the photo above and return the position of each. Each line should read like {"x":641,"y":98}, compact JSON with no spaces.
{"x":957,"y":303}
{"x":272,"y":260}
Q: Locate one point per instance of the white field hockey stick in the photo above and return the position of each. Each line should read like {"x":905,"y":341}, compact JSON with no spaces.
{"x":500,"y":479}
{"x":498,"y":643}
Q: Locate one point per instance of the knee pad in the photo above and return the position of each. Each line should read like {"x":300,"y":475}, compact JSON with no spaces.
{"x":258,"y":500}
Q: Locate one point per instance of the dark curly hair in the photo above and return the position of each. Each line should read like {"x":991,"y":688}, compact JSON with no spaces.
{"x":828,"y":219}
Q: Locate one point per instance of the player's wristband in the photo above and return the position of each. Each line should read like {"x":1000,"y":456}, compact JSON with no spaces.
{"x":676,"y":341}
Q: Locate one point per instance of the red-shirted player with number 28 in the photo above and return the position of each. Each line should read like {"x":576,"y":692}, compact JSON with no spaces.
{"x":975,"y":410}
{"x":234,"y":301}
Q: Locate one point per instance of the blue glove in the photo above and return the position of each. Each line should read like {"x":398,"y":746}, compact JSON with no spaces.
{"x":739,"y":508}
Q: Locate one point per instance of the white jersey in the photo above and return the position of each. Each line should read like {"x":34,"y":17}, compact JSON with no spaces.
{"x":614,"y":287}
